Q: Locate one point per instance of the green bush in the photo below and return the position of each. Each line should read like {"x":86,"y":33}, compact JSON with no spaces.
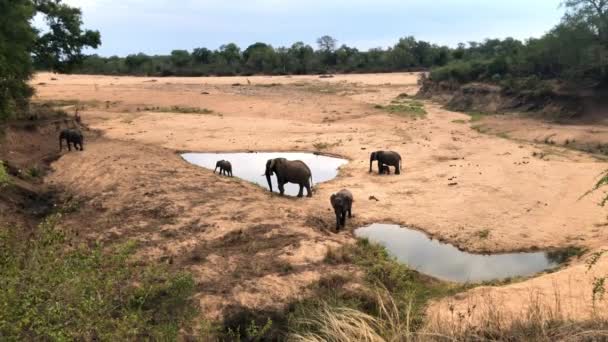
{"x":50,"y":291}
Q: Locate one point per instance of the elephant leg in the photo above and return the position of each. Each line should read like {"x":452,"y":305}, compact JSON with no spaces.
{"x":308,"y":190}
{"x":397,"y":171}
{"x":301,"y":192}
{"x":343,"y":218}
{"x":281,"y":188}
{"x":350,"y":212}
{"x":69,"y":146}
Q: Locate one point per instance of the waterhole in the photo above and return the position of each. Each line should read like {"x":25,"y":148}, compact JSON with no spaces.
{"x":446,"y":262}
{"x":251,"y":166}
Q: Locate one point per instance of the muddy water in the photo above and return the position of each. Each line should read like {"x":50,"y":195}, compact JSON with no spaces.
{"x":447,"y":262}
{"x":251,"y":166}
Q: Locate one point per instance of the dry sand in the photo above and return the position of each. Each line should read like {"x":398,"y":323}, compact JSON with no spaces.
{"x":203,"y":221}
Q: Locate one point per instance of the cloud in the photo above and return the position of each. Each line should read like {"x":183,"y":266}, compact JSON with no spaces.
{"x":158,"y":26}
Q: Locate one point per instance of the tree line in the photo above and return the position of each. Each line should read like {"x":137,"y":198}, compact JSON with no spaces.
{"x":574,"y":52}
{"x":262,"y":58}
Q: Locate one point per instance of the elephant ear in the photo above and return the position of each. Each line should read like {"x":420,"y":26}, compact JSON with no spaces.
{"x":272,"y":163}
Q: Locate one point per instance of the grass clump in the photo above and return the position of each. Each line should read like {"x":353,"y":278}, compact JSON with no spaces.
{"x":476,"y":116}
{"x":4,"y":177}
{"x":178,"y":109}
{"x":404,"y":106}
{"x":390,"y":304}
{"x":49,"y":291}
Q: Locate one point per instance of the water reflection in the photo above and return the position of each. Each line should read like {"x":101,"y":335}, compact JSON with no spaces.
{"x":447,"y":262}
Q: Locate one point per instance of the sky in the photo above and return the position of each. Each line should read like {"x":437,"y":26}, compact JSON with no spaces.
{"x":160,"y":26}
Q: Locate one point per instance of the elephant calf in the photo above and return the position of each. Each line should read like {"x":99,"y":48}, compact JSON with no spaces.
{"x":225,"y":167}
{"x":342,"y":202}
{"x":386,"y":159}
{"x":71,"y":137}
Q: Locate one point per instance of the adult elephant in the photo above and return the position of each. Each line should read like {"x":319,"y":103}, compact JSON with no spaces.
{"x":388,"y":158}
{"x":289,"y":171}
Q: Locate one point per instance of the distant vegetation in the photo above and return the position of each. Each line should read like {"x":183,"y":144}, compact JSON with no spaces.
{"x":260,"y":58}
{"x":575,"y":52}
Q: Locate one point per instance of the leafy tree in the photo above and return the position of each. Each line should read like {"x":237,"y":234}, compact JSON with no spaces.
{"x":17,"y":39}
{"x":61,"y":47}
{"x":327,"y":44}
{"x":180,"y":58}
{"x":21,"y":44}
{"x":202,"y":55}
{"x":593,"y":12}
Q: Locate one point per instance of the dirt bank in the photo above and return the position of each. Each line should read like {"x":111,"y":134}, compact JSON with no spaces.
{"x":248,"y":248}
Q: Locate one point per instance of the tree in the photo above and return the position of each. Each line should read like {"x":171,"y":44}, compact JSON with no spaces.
{"x":21,"y":44}
{"x":61,"y":47}
{"x":180,"y":58}
{"x":202,"y":55}
{"x":327,"y":44}
{"x":18,"y":39}
{"x":593,"y":12}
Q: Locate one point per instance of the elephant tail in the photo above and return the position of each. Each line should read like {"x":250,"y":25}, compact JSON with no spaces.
{"x":400,"y":163}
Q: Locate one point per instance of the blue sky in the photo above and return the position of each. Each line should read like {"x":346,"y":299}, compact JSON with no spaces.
{"x":159,"y":26}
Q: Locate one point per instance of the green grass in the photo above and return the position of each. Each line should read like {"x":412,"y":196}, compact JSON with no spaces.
{"x":405,"y":107}
{"x":476,"y":116}
{"x":386,"y":283}
{"x":52,"y":288}
{"x":178,"y":109}
{"x":4,"y":177}
{"x":459,"y":121}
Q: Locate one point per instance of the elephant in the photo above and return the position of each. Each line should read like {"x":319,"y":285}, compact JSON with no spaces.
{"x":342,"y":202}
{"x":386,"y":158}
{"x":289,"y":171}
{"x":72,"y":137}
{"x":225,"y":167}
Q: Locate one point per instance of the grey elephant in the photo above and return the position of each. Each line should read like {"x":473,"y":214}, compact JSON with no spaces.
{"x":71,"y":137}
{"x":225,"y":167}
{"x":386,"y":158}
{"x":289,"y":171}
{"x":342,"y":202}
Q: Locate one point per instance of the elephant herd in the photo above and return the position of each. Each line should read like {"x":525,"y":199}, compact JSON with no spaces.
{"x":297,"y":172}
{"x":286,"y":171}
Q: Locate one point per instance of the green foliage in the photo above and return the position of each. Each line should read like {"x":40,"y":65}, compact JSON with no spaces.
{"x":523,"y":66}
{"x":260,"y":58}
{"x":49,"y":291}
{"x":4,"y":177}
{"x":17,"y":39}
{"x":59,"y":48}
{"x":403,"y":106}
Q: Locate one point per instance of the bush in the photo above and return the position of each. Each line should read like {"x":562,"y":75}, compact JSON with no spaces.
{"x":51,"y":292}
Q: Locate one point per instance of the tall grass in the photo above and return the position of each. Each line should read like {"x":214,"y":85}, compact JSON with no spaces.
{"x":4,"y":177}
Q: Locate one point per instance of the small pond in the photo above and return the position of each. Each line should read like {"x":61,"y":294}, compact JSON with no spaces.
{"x":251,"y":166}
{"x":446,"y":262}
